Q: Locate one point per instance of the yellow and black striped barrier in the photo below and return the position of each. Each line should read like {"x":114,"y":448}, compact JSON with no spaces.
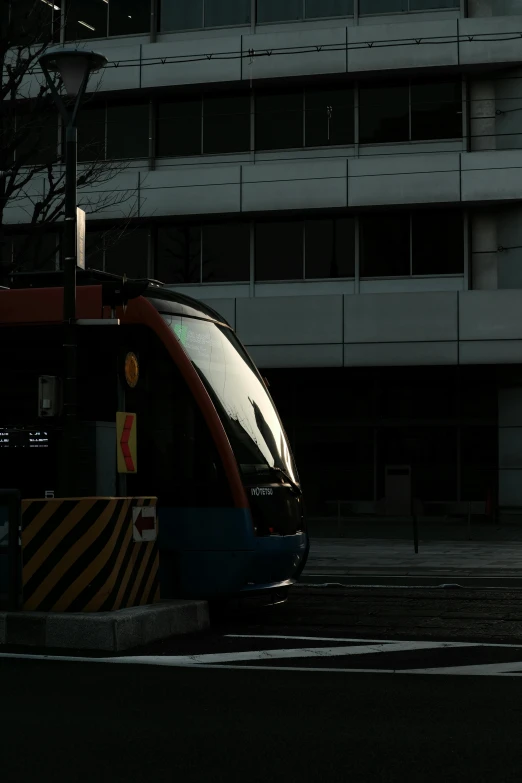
{"x":89,"y":554}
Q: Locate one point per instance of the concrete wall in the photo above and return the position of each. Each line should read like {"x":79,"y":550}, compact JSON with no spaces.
{"x":427,"y":328}
{"x":324,"y":48}
{"x":387,"y":180}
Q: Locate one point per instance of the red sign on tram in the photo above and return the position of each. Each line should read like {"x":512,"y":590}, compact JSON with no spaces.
{"x":126,"y":442}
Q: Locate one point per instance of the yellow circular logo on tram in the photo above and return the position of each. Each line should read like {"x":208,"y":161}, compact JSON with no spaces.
{"x":132,"y":370}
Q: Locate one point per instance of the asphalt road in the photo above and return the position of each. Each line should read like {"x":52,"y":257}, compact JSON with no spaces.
{"x":450,"y":614}
{"x":318,"y":690}
{"x":109,"y":723}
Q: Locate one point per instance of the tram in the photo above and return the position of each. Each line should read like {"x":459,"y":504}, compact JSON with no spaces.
{"x":210,"y":444}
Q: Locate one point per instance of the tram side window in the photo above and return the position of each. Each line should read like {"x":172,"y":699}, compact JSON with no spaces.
{"x":177,"y":458}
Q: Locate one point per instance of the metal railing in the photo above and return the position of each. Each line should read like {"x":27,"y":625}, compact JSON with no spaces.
{"x":10,"y":499}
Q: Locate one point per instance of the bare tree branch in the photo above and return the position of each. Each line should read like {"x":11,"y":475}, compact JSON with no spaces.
{"x":32,"y":173}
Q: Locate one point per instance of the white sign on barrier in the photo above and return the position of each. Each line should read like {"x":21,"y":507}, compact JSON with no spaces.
{"x":144,"y":523}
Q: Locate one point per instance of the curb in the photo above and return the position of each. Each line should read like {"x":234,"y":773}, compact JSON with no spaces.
{"x":410,"y":580}
{"x":107,"y":631}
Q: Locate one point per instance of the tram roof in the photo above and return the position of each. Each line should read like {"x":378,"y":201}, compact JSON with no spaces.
{"x":164,"y":299}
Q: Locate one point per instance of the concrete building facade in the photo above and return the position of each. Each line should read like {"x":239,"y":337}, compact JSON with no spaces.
{"x":341,"y":179}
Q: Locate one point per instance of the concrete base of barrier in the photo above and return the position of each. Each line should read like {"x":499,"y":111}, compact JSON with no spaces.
{"x":108,"y":631}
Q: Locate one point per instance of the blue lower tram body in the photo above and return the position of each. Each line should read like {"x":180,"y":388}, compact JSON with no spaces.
{"x":213,"y":552}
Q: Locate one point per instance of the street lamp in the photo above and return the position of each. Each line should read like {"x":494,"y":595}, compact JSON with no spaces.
{"x":74,"y":66}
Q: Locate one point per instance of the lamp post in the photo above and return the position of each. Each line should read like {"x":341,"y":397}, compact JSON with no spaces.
{"x":74,"y":66}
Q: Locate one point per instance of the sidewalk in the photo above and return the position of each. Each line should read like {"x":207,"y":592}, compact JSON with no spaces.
{"x":342,"y":557}
{"x":430,"y":529}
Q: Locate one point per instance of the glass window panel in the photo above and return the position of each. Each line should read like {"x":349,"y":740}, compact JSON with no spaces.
{"x":318,"y":8}
{"x":426,"y":5}
{"x":329,"y":117}
{"x":437,"y":243}
{"x":383,"y":113}
{"x":226,"y":124}
{"x":31,"y":21}
{"x":94,"y":248}
{"x":279,"y":10}
{"x":128,"y":254}
{"x":121,"y":143}
{"x":436,"y":110}
{"x":246,"y":410}
{"x":382,"y":6}
{"x":86,"y":19}
{"x":279,"y":121}
{"x":179,"y":254}
{"x":37,"y":138}
{"x":35,"y":252}
{"x":226,"y":253}
{"x":127,"y":17}
{"x":181,"y":14}
{"x":179,"y":127}
{"x":329,"y":248}
{"x":279,"y":251}
{"x":91,"y":134}
{"x":385,"y":245}
{"x":227,"y":12}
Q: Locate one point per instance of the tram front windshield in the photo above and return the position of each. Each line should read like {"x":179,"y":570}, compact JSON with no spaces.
{"x":248,"y":413}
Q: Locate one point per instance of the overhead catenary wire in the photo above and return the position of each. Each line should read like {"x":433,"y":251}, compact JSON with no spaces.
{"x":498,"y":37}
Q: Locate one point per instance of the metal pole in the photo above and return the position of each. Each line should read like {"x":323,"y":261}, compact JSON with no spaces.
{"x":69,"y":451}
{"x":11,"y":499}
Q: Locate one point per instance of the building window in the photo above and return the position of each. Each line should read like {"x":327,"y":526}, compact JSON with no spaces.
{"x":95,"y":249}
{"x":119,"y":251}
{"x":116,"y":131}
{"x":329,"y":248}
{"x":127,"y":131}
{"x":315,"y":9}
{"x":437,"y":243}
{"x":402,"y":112}
{"x":395,"y":6}
{"x":184,"y":15}
{"x":436,"y":110}
{"x":384,"y":241}
{"x":429,"y":5}
{"x":178,"y":254}
{"x":279,"y":251}
{"x":36,"y":141}
{"x":279,"y":10}
{"x":128,"y":253}
{"x":129,"y":17}
{"x":31,"y":22}
{"x":423,"y":243}
{"x":37,"y":251}
{"x":329,"y":118}
{"x":194,"y":14}
{"x":226,"y":13}
{"x":92,"y":134}
{"x":383,"y":113}
{"x":226,"y":124}
{"x":87,"y":19}
{"x":279,"y":121}
{"x":99,"y":18}
{"x":179,"y":127}
{"x":226,"y":253}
